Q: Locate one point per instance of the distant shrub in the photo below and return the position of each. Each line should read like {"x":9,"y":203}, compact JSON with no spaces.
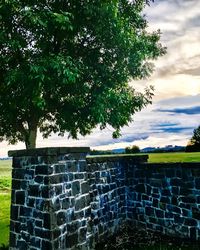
{"x":192,"y":148}
{"x":132,"y":150}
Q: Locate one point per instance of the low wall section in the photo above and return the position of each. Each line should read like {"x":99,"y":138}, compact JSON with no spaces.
{"x":165,"y":198}
{"x":61,"y":200}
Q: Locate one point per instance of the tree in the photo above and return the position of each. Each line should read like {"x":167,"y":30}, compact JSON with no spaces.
{"x":194,"y":143}
{"x":65,"y":66}
{"x":132,"y":150}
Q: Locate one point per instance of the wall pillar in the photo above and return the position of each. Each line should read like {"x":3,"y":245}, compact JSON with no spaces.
{"x":50,"y":199}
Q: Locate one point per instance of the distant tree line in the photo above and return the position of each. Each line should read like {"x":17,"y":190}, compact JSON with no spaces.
{"x":192,"y":146}
{"x":132,"y":150}
{"x":194,"y":143}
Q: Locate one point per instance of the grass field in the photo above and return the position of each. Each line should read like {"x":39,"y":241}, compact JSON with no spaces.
{"x":5,"y":184}
{"x":174,"y":157}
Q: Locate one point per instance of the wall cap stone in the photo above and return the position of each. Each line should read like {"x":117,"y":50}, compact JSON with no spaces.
{"x":172,"y":165}
{"x":113,"y":158}
{"x":47,"y":151}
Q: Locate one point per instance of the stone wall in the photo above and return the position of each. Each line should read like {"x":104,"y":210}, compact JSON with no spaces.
{"x":165,"y":198}
{"x":61,"y":200}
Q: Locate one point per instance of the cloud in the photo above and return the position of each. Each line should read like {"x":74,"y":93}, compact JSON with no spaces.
{"x":188,"y":111}
{"x":176,"y":130}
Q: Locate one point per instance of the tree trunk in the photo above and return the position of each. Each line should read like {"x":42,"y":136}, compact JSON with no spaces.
{"x":31,"y":138}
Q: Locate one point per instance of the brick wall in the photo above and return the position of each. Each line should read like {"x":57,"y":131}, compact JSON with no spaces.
{"x":61,"y":200}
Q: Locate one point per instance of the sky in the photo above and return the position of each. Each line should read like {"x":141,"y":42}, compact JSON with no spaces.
{"x":175,"y":111}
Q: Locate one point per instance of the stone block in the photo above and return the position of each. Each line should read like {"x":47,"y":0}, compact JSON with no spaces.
{"x":82,"y":234}
{"x":197,"y":183}
{"x":166,"y":192}
{"x":54,"y":179}
{"x":20,"y":197}
{"x":185,"y":191}
{"x":65,"y":203}
{"x":22,"y":244}
{"x":188,"y":199}
{"x":150,"y":211}
{"x":43,"y":169}
{"x":85,"y":187}
{"x":45,"y":192}
{"x":165,"y":199}
{"x":174,"y":209}
{"x":35,"y":242}
{"x":34,"y":190}
{"x":186,"y":212}
{"x":47,"y":245}
{"x":196,"y":213}
{"x":176,"y":181}
{"x":47,"y":221}
{"x":38,"y":223}
{"x":193,"y":233}
{"x":18,"y":173}
{"x":159,"y":213}
{"x":80,"y":203}
{"x":155,"y":202}
{"x":190,"y":222}
{"x":175,"y":190}
{"x":174,"y":200}
{"x":75,"y":187}
{"x":39,"y":179}
{"x":19,"y":184}
{"x":13,"y":239}
{"x":42,"y":233}
{"x":71,"y":240}
{"x":141,"y":188}
{"x":26,"y":211}
{"x":178,"y":219}
{"x":61,"y":218}
{"x":59,"y":168}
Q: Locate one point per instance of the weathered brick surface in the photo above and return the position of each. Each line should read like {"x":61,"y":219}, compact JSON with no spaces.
{"x":60,"y":200}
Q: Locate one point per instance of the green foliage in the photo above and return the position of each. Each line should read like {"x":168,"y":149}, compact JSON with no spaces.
{"x":194,"y":143}
{"x":65,"y":65}
{"x":132,"y":150}
{"x":174,"y":157}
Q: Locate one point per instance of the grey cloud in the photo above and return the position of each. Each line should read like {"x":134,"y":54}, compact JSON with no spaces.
{"x":173,"y":129}
{"x":187,"y":111}
{"x":193,"y":22}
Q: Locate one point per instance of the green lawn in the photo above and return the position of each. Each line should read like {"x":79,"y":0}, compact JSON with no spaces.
{"x":4,"y":217}
{"x":5,"y":184}
{"x":174,"y":157}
